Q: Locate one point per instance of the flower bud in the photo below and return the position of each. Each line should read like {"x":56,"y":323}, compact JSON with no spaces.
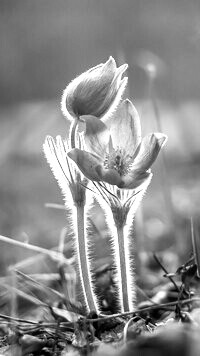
{"x":95,"y":92}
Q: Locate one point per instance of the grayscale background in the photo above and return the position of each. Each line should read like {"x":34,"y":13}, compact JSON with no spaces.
{"x":43,"y":45}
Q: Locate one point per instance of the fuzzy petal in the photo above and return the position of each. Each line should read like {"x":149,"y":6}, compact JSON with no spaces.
{"x":86,"y":162}
{"x":110,"y":176}
{"x":96,"y":135}
{"x":114,"y":90}
{"x":94,"y":92}
{"x":116,"y":97}
{"x":149,"y":150}
{"x":85,"y":94}
{"x":134,"y":179}
{"x":98,"y":66}
{"x":118,"y":75}
{"x":110,"y":66}
{"x":125,"y":127}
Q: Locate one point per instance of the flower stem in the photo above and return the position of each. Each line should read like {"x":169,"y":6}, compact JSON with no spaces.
{"x":72,"y":134}
{"x":123,"y":269}
{"x":83,"y":261}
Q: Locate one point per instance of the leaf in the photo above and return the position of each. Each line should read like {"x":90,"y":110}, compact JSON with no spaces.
{"x":64,"y":315}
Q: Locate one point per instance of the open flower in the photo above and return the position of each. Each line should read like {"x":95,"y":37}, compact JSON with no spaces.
{"x":115,"y":152}
{"x":120,"y":206}
{"x":95,"y":92}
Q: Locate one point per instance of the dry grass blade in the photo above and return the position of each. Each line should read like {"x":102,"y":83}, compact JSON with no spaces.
{"x":55,"y":206}
{"x":43,"y":288}
{"x":53,"y":254}
{"x":196,"y":245}
{"x":24,"y":295}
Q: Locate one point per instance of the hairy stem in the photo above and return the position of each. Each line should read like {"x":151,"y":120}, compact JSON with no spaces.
{"x":83,"y":262}
{"x":123,"y":269}
{"x":72,"y":134}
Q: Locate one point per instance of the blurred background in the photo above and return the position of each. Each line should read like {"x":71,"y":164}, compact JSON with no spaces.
{"x":45,"y":44}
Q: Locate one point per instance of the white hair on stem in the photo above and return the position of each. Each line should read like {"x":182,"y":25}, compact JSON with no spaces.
{"x":82,"y":248}
{"x":77,"y":200}
{"x":114,"y":246}
{"x":128,"y":234}
{"x":119,"y":206}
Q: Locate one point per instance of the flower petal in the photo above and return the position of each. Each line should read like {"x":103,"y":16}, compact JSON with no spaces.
{"x":110,"y":175}
{"x":134,"y":179}
{"x":86,"y":162}
{"x":95,"y":67}
{"x":110,"y":66}
{"x":94,"y":92}
{"x":118,"y":75}
{"x":96,"y":135}
{"x":124,"y":126}
{"x":115,"y":87}
{"x":114,"y":96}
{"x":149,"y":149}
{"x":85,"y":94}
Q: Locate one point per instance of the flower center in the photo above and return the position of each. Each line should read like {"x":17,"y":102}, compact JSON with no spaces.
{"x":118,"y":160}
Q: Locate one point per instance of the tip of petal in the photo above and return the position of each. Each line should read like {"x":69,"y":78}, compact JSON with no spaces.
{"x":118,"y":74}
{"x":111,"y":59}
{"x":122,"y":69}
{"x":124,"y":83}
{"x":122,"y":86}
{"x":130,"y":107}
{"x":110,"y":64}
{"x":161,"y":138}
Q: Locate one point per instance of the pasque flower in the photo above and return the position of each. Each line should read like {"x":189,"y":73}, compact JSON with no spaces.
{"x":95,"y":92}
{"x":110,"y":159}
{"x":118,"y":161}
{"x":114,"y":151}
{"x":120,"y":206}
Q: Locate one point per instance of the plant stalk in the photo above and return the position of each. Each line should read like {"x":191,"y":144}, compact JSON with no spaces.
{"x":72,"y":134}
{"x":81,"y":242}
{"x":83,"y":261}
{"x":123,"y":269}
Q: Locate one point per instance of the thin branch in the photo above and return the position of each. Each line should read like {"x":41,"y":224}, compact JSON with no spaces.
{"x":166,"y":272}
{"x":138,"y":311}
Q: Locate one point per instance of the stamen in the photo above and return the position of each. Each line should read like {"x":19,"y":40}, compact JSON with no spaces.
{"x":118,"y":160}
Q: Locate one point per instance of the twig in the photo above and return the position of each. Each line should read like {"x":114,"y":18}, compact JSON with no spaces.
{"x":138,"y":311}
{"x":11,"y":318}
{"x":102,"y":318}
{"x":166,"y":272}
